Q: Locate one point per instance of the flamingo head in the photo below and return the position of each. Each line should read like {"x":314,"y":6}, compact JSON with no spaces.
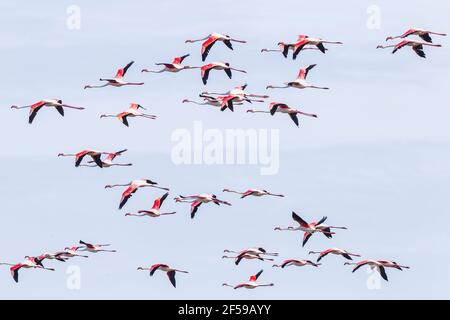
{"x":184,"y":101}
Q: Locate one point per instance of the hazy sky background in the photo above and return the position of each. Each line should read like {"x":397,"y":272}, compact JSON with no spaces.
{"x":376,"y":159}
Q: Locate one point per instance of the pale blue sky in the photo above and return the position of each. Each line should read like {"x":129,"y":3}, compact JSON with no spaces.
{"x":375,"y":160}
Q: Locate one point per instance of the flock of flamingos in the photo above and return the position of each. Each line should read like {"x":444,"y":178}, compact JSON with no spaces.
{"x":227,"y":100}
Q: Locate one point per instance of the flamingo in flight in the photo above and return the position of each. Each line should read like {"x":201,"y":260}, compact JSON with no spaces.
{"x":284,"y":108}
{"x":254,"y":250}
{"x":225,"y":66}
{"x":303,"y":40}
{"x":94,"y":248}
{"x":27,"y":264}
{"x":118,"y":80}
{"x":131,"y":112}
{"x":108,"y":161}
{"x":154,"y":211}
{"x":211,"y":39}
{"x":417,"y":46}
{"x":373,"y":264}
{"x":299,"y":82}
{"x":253,"y":192}
{"x":175,"y":66}
{"x":246,"y":255}
{"x":197,"y":200}
{"x":297,"y":263}
{"x":336,"y":251}
{"x":308,"y":228}
{"x":251,"y":283}
{"x":285,"y":47}
{"x":53,"y":103}
{"x":165,"y":268}
{"x":95,"y":155}
{"x":424,"y":34}
{"x":133,"y":186}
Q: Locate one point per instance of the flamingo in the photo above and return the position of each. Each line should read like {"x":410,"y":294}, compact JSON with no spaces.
{"x":336,"y":251}
{"x":53,"y":103}
{"x":211,"y":40}
{"x":71,"y":252}
{"x":424,"y":34}
{"x":197,"y":200}
{"x":246,"y":255}
{"x":154,"y":211}
{"x":417,"y":46}
{"x":297,"y":263}
{"x":27,"y":264}
{"x":303,"y":40}
{"x":94,"y":154}
{"x":300,"y":82}
{"x":132,"y":111}
{"x":307,"y":228}
{"x":133,"y":186}
{"x":118,"y":80}
{"x":94,"y":248}
{"x":284,"y":108}
{"x":251,"y":283}
{"x":225,"y":66}
{"x":175,"y":66}
{"x":165,"y":268}
{"x":254,"y":192}
{"x":285,"y":47}
{"x":108,"y":161}
{"x":254,"y":250}
{"x":373,"y":264}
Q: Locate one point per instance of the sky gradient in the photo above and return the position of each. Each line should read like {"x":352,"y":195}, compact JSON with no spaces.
{"x":375,"y":160}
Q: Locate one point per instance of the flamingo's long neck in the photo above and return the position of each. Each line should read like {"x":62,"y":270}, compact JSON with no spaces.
{"x":21,"y":107}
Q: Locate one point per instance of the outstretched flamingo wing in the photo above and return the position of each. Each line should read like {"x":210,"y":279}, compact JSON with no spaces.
{"x":207,"y":45}
{"x":127,"y":195}
{"x":408,"y":32}
{"x":256,"y":276}
{"x":155,"y":267}
{"x":121,"y":72}
{"x":426,"y":37}
{"x":303,"y":73}
{"x":79,"y":157}
{"x":400,"y":45}
{"x":286,"y":262}
{"x":205,"y":72}
{"x":247,"y":193}
{"x":171,"y":275}
{"x":419,"y":51}
{"x":194,"y":208}
{"x":179,"y":60}
{"x":294,"y":118}
{"x":15,"y":271}
{"x":306,"y":237}
{"x":297,"y":218}
{"x":123,"y":117}
{"x":34,"y":110}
